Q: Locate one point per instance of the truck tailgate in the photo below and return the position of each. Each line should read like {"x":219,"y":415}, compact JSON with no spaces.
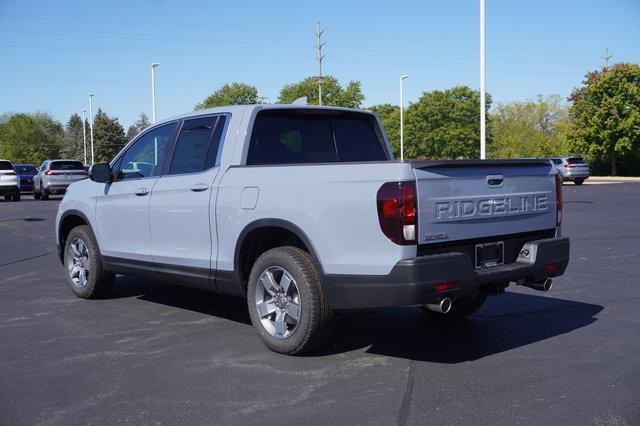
{"x":467,"y":199}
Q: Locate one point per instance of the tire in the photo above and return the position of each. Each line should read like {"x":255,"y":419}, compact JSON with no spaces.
{"x":314,"y":323}
{"x":36,"y":194}
{"x":461,"y":307}
{"x":16,"y":197}
{"x":7,"y":197}
{"x":97,"y":282}
{"x":578,"y":181}
{"x":44,"y":194}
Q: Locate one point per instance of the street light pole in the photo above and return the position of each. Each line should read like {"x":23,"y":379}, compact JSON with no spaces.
{"x":483,"y":131}
{"x":84,"y":136}
{"x":153,"y":92}
{"x":402,"y":78}
{"x":153,"y":109}
{"x":93,"y":158}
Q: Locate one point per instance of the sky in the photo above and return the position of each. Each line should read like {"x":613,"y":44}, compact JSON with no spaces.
{"x":52,"y":54}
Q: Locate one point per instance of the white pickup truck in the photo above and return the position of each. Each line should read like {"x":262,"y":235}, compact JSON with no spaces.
{"x":303,"y":211}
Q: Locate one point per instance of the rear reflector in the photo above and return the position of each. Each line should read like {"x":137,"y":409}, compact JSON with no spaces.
{"x":446,"y":286}
{"x":551,"y":267}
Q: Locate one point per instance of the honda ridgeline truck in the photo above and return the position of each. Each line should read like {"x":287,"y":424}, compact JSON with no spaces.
{"x":303,"y":211}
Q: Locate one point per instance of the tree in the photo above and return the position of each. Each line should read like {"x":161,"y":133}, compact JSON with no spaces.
{"x":141,"y":124}
{"x":605,"y":115}
{"x":108,"y":136}
{"x":530,"y":129}
{"x":332,"y":93}
{"x":73,"y":146}
{"x":390,"y":117}
{"x":30,"y":138}
{"x":231,"y":94}
{"x":445,"y":124}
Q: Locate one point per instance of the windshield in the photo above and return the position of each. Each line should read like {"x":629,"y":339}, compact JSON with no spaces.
{"x":67,"y":165}
{"x":25,"y":169}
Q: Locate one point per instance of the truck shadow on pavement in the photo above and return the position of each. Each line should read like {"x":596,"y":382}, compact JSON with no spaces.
{"x":505,"y":322}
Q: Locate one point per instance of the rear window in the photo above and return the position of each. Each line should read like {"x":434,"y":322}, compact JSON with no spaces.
{"x":313,"y":136}
{"x":25,"y":169}
{"x":575,"y":160}
{"x":66,"y":165}
{"x":6,"y":165}
{"x":556,"y":161}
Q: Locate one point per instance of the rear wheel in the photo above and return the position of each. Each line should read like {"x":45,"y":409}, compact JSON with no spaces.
{"x":578,"y":181}
{"x":44,"y":193}
{"x":461,"y":307}
{"x":7,"y":197}
{"x":36,"y":193}
{"x":83,"y":264}
{"x":16,"y":196}
{"x":287,"y":302}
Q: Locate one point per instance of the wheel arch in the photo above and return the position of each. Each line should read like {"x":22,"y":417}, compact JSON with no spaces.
{"x":261,"y":227}
{"x":69,"y":220}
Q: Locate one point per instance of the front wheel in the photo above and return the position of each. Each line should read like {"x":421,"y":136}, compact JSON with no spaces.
{"x":287,"y":302}
{"x":461,"y":307}
{"x":83,"y":265}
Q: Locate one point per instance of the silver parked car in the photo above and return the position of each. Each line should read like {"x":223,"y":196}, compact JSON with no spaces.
{"x":54,"y":176}
{"x":9,"y":181}
{"x":572,"y":169}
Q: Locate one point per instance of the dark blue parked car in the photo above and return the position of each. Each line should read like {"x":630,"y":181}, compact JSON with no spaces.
{"x":26,"y":173}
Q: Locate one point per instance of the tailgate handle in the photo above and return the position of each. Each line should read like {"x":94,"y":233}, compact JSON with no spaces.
{"x":495,"y":180}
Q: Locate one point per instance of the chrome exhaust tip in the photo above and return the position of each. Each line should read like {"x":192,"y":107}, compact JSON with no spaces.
{"x":545,"y":285}
{"x":443,"y":306}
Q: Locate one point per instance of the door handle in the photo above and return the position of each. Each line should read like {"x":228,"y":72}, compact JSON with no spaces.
{"x":199,"y":187}
{"x":142,"y":191}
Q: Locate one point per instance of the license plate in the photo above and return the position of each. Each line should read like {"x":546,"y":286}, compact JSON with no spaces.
{"x":489,"y":254}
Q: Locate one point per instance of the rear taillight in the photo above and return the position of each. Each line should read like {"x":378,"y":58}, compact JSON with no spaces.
{"x":558,"y":200}
{"x":397,"y":211}
{"x":50,"y":172}
{"x":11,"y":173}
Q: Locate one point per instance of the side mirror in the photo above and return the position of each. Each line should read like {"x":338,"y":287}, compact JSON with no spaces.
{"x":100,"y":173}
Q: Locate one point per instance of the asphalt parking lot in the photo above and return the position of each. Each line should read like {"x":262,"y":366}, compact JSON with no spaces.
{"x":154,"y":353}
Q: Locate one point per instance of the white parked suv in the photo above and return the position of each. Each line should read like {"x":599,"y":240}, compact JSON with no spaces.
{"x":303,"y":211}
{"x":9,"y":181}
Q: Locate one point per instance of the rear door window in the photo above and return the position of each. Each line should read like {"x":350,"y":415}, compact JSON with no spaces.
{"x":314,"y":136}
{"x":197,"y":145}
{"x":67,"y":165}
{"x":6,"y":165}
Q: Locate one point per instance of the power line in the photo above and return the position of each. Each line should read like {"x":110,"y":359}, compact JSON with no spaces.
{"x":319,"y":58}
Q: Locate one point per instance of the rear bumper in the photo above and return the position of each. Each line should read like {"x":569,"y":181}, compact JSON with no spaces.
{"x":26,"y":186}
{"x":56,"y":188}
{"x":576,"y":175}
{"x":413,"y":281}
{"x":9,"y":189}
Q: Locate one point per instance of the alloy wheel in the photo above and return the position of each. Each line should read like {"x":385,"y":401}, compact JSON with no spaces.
{"x":277,"y":301}
{"x":78,"y":263}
